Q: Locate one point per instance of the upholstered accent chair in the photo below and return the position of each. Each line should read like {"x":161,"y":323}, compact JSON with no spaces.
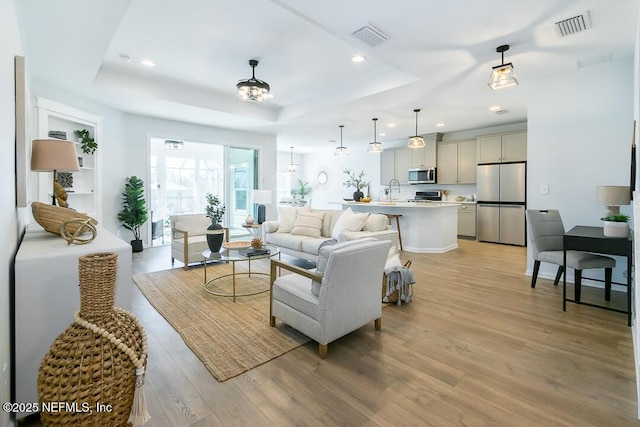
{"x":342,"y":295}
{"x":547,"y":230}
{"x":189,"y":237}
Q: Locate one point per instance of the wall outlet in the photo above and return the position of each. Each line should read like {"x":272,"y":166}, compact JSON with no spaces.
{"x":544,"y":189}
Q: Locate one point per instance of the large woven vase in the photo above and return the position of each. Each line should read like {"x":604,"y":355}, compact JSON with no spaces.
{"x":85,"y":369}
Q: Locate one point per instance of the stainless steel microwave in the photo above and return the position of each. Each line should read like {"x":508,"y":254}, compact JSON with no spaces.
{"x":422,"y":176}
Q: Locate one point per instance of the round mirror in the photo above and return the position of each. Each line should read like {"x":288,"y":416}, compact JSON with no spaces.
{"x":322,"y":177}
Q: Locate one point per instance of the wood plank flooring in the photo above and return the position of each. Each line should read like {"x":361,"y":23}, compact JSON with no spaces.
{"x":477,"y":346}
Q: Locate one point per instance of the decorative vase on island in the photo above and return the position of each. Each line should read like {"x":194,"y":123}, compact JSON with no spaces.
{"x":215,"y":236}
{"x":357,"y":196}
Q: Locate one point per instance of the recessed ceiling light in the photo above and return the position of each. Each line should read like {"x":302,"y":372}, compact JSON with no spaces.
{"x":391,"y":125}
{"x":148,"y":63}
{"x":358,"y":58}
{"x":439,"y":125}
{"x":494,"y":108}
{"x":382,"y":134}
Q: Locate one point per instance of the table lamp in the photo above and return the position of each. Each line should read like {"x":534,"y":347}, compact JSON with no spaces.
{"x":612,"y":196}
{"x":262,"y":198}
{"x":53,"y":155}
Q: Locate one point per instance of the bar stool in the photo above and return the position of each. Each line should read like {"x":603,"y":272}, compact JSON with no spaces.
{"x":397,"y":217}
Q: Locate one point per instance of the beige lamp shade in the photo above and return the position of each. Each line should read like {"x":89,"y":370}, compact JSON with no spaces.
{"x":612,"y":196}
{"x":53,"y":155}
{"x":262,"y":197}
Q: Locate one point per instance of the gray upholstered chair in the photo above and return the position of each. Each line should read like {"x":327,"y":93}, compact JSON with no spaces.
{"x":342,"y":295}
{"x":547,"y":230}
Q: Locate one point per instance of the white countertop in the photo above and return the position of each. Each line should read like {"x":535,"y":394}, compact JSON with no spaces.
{"x":404,"y":204}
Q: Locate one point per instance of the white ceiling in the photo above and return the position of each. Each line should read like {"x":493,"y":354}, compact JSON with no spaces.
{"x":438,"y":58}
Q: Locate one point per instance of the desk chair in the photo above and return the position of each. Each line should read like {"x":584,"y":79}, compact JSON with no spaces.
{"x":547,"y":230}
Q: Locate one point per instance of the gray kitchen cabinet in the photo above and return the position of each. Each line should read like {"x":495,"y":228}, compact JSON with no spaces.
{"x":395,"y":163}
{"x":467,"y":220}
{"x":457,"y":162}
{"x":510,"y":147}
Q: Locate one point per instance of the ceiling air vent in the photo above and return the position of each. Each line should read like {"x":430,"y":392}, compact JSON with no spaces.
{"x":501,"y":112}
{"x":573,"y":25}
{"x":370,"y":35}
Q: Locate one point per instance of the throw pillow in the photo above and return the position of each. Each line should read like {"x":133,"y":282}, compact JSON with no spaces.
{"x":323,"y":259}
{"x":375,"y":222}
{"x":308,"y":224}
{"x":287,"y":218}
{"x":349,"y":221}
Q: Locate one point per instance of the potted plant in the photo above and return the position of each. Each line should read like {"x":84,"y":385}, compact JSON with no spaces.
{"x":303,"y":190}
{"x":87,"y":143}
{"x":616,"y":226}
{"x":215,"y":212}
{"x":134,"y":212}
{"x":356,"y":181}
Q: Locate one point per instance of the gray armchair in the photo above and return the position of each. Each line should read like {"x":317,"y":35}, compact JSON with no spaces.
{"x":340,"y":297}
{"x":547,"y":230}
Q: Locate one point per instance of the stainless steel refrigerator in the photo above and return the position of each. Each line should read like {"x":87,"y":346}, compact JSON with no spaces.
{"x":502,"y":202}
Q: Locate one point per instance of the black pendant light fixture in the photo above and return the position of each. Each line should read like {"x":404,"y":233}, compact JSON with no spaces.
{"x":292,"y":167}
{"x":416,"y":141}
{"x":341,"y":151}
{"x":254,"y":89}
{"x":375,"y":146}
{"x":503,"y":75}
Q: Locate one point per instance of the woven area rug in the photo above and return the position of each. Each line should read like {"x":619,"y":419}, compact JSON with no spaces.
{"x":229,"y":338}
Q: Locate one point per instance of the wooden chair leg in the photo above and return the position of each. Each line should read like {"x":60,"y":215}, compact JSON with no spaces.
{"x":323,"y":349}
{"x":378,"y":323}
{"x":534,"y":276}
{"x":558,"y":275}
{"x":578,"y":285}
{"x":608,"y":272}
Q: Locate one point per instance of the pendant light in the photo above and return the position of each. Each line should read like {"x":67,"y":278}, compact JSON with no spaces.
{"x":341,"y":151}
{"x":292,"y":167}
{"x":375,"y":147}
{"x":416,"y":141}
{"x":254,"y":89}
{"x":503,"y":75}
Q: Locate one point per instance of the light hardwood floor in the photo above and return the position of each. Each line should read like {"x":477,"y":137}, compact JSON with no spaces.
{"x":477,"y":346}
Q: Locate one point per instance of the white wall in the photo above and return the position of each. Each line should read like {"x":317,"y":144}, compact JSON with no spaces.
{"x":11,"y":223}
{"x":579,"y":136}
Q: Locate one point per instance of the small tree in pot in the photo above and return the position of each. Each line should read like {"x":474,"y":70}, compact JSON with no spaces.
{"x":356,"y":181}
{"x":215,"y":212}
{"x":134,"y":212}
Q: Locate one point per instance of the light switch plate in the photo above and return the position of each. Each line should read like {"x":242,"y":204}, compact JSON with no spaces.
{"x":544,"y":189}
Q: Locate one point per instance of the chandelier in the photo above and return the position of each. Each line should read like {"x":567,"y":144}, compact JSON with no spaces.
{"x":503,"y":75}
{"x":341,"y":151}
{"x":416,"y":141}
{"x":254,"y":89}
{"x":292,"y":167}
{"x":375,"y":147}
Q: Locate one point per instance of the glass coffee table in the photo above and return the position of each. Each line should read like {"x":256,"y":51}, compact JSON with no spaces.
{"x":232,"y":256}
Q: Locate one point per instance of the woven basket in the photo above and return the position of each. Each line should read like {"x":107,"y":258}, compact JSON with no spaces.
{"x":84,"y":369}
{"x":393,"y":297}
{"x":52,"y":218}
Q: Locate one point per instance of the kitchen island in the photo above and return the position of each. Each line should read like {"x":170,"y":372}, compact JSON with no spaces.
{"x":425,"y":227}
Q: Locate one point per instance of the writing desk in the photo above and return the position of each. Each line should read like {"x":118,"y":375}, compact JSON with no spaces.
{"x":592,"y":239}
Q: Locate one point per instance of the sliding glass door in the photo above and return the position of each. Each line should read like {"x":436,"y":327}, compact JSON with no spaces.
{"x":243,"y":170}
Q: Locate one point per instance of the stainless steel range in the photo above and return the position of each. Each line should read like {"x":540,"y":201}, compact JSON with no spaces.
{"x":427,"y":196}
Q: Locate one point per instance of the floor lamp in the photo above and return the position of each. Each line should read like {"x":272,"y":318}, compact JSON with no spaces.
{"x":262,"y":198}
{"x":53,"y":155}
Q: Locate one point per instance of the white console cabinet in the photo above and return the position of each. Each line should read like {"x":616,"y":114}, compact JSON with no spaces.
{"x":47,"y":293}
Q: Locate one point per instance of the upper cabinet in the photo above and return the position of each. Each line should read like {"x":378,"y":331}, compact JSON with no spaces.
{"x":457,"y":162}
{"x":83,"y":186}
{"x":511,"y":147}
{"x":425,"y":157}
{"x":395,"y":163}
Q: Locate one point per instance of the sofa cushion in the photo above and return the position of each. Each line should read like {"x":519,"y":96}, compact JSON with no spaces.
{"x":293,"y":290}
{"x":375,"y":222}
{"x":287,"y":217}
{"x":308,"y":224}
{"x":286,"y":240}
{"x":349,"y":221}
{"x":312,"y":246}
{"x":194,"y":224}
{"x":323,"y":259}
{"x":329,"y":221}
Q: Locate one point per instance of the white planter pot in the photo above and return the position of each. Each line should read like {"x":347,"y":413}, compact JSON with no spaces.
{"x":616,"y":229}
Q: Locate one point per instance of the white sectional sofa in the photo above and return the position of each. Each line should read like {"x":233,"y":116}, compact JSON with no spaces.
{"x":300,"y":231}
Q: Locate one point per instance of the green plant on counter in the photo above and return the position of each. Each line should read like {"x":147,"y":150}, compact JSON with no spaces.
{"x":616,"y":218}
{"x":354,"y":180}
